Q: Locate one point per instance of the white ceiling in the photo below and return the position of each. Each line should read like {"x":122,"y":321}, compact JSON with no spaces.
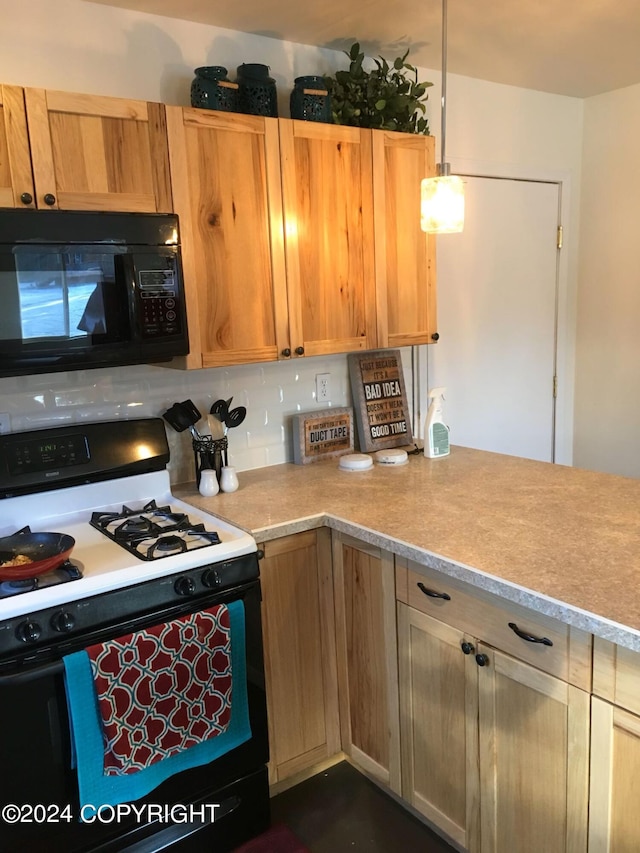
{"x":569,"y":47}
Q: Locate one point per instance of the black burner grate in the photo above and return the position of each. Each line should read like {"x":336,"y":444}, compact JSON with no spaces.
{"x":153,"y":531}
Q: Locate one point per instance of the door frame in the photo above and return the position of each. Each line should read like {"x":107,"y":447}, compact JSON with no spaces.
{"x":566,"y":298}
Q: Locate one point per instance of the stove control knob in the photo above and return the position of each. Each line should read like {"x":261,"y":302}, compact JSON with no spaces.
{"x":185,"y":586}
{"x":62,"y":622}
{"x":28,"y":632}
{"x":211,"y":578}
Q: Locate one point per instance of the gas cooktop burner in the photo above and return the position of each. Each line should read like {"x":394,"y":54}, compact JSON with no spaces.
{"x":152,"y":531}
{"x":64,"y":573}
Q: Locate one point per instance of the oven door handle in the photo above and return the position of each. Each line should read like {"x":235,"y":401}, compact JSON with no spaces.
{"x":53,"y":668}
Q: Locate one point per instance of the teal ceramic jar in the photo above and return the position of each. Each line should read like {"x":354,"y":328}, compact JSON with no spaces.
{"x":207,"y":92}
{"x":257,"y":90}
{"x":310,"y":99}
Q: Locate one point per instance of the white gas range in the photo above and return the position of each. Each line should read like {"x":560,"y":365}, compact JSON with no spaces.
{"x":133,"y":558}
{"x":128,"y":530}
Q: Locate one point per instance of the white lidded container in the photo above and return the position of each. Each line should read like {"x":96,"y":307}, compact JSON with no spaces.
{"x":436,"y":432}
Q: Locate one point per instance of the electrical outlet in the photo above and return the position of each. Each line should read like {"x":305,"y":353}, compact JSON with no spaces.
{"x":5,"y":422}
{"x":323,"y":387}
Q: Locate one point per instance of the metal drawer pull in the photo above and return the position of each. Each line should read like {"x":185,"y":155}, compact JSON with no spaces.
{"x":432,"y":593}
{"x":529,"y":637}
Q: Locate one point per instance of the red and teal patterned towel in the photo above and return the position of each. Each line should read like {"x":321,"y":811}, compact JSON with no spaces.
{"x":97,"y":785}
{"x":163,"y":690}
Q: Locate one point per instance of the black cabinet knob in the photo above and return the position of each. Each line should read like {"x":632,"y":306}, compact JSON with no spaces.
{"x":467,"y":648}
{"x":62,"y":622}
{"x":185,"y":586}
{"x":299,"y":350}
{"x":49,"y":199}
{"x":286,"y":352}
{"x":482,"y":660}
{"x":28,"y":632}
{"x":26,"y":198}
{"x":435,"y":336}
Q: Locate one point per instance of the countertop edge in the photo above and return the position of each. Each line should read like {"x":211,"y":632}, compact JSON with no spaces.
{"x":582,"y":619}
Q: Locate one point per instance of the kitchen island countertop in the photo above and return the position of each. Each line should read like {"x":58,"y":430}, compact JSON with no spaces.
{"x":560,"y":540}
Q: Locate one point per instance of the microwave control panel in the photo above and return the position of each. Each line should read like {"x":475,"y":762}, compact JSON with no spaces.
{"x":159,"y":302}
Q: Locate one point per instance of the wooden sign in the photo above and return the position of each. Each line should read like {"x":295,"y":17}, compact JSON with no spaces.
{"x":379,"y":399}
{"x":321,"y":435}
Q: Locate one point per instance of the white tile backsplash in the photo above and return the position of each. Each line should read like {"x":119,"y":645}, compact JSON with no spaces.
{"x":271,"y":393}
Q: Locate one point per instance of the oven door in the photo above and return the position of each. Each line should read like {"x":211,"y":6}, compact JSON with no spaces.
{"x":37,"y":777}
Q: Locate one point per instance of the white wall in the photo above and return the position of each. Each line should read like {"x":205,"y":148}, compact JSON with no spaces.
{"x":84,"y":47}
{"x":607,"y":420}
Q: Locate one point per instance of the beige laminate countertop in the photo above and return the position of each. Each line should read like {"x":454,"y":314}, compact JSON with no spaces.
{"x":563,"y":541}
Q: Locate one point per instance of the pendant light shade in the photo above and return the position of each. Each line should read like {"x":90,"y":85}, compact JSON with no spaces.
{"x":442,"y":197}
{"x":442,"y":204}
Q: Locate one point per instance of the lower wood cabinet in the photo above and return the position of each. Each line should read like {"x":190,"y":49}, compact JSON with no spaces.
{"x":299,"y":650}
{"x":439,"y":728}
{"x":614,"y":817}
{"x":367,"y":657}
{"x":495,"y":751}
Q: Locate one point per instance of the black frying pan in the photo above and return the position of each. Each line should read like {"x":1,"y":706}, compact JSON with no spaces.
{"x":46,"y":551}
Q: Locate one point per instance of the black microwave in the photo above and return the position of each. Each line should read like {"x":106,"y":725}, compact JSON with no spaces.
{"x":82,"y":290}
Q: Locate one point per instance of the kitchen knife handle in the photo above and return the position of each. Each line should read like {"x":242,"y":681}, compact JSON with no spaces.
{"x":432,"y":593}
{"x":529,"y":637}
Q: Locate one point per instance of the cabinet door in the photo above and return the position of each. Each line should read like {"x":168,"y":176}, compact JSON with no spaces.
{"x":300,"y":658}
{"x":614,"y":818}
{"x":405,"y":255}
{"x":16,"y":180}
{"x":98,"y":153}
{"x":367,"y":658}
{"x":439,"y":725}
{"x":327,"y":191}
{"x":226,"y":181}
{"x":534,"y":759}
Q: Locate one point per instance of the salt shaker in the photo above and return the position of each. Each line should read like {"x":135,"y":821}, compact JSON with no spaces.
{"x":228,"y":479}
{"x":208,"y":485}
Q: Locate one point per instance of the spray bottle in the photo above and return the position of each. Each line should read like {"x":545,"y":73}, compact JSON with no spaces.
{"x":436,"y":432}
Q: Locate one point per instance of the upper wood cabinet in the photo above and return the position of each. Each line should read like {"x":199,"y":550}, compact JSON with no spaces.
{"x":227,"y":194}
{"x":299,"y":238}
{"x":405,"y":255}
{"x":329,"y":241}
{"x":82,"y":152}
{"x":16,"y":179}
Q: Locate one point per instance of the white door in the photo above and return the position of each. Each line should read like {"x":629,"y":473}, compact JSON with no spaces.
{"x":497,"y":297}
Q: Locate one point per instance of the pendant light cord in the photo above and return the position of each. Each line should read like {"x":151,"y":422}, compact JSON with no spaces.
{"x":444,"y":167}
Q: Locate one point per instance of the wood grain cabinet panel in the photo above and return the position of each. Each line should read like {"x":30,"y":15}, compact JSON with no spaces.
{"x":367,"y":658}
{"x":300,"y":657}
{"x":16,"y":177}
{"x":439,"y":726}
{"x":98,"y":153}
{"x":614,"y":818}
{"x":329,"y":237}
{"x":227,"y":193}
{"x":534,"y":759}
{"x":405,"y":255}
{"x":497,"y":758}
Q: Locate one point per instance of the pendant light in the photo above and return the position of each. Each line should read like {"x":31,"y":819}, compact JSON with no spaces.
{"x":442,"y":197}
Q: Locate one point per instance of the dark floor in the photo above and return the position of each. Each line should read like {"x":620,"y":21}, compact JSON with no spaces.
{"x":341,"y":811}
